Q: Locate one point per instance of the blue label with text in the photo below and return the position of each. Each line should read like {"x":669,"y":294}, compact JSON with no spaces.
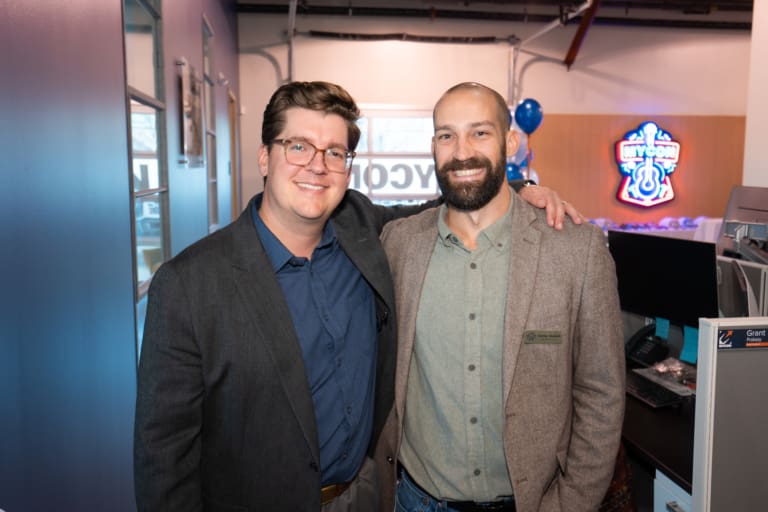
{"x":750,"y":337}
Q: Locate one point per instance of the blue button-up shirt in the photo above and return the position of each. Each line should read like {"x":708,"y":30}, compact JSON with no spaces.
{"x":334,"y":315}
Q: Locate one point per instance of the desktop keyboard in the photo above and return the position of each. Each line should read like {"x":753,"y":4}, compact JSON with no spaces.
{"x":652,"y":393}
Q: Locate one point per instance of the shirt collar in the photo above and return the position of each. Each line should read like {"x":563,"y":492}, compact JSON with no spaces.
{"x":278,"y":254}
{"x":498,"y":234}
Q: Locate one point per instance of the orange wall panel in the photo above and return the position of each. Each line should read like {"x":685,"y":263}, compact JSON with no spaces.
{"x":574,"y":154}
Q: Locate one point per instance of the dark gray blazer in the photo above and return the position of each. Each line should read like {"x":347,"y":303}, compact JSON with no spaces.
{"x":224,"y":414}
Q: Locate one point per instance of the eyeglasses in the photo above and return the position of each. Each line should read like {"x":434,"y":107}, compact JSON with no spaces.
{"x":301,"y":152}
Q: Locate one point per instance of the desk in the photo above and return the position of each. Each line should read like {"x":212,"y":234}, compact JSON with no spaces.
{"x":662,"y":438}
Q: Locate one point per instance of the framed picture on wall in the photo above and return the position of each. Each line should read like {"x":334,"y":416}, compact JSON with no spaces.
{"x":191,"y":95}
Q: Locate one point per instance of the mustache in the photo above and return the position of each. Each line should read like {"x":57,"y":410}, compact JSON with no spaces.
{"x":461,"y":165}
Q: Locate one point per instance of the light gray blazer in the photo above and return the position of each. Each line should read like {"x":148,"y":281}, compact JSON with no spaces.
{"x":564,"y":402}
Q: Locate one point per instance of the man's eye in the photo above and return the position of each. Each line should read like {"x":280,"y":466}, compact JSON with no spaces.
{"x":297,"y":147}
{"x":481,"y":133}
{"x":443,"y":136}
{"x":336,"y":153}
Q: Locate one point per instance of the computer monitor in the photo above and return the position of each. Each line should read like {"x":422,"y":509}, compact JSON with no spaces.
{"x":742,"y":287}
{"x":745,"y":204}
{"x":671,"y":278}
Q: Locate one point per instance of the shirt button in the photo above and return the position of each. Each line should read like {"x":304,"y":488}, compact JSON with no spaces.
{"x":473,"y":420}
{"x":473,"y":265}
{"x":348,"y":409}
{"x":476,"y":472}
{"x":471,"y":367}
{"x":471,"y":316}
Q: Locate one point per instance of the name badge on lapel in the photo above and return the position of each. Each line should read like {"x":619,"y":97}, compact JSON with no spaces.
{"x":542,"y":337}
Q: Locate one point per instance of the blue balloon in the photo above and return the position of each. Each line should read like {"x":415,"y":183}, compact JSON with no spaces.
{"x":513,"y":172}
{"x":528,"y":115}
{"x":522,"y":148}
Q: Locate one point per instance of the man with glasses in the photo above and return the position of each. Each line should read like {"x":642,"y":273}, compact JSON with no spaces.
{"x":268,"y":355}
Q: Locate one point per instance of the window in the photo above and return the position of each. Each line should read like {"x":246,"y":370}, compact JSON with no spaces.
{"x":394,"y":162}
{"x":210,"y":128}
{"x":146,"y":144}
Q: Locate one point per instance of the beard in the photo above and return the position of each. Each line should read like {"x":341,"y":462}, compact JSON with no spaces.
{"x":471,"y":196}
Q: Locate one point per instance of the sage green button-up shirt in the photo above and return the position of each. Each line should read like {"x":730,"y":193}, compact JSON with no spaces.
{"x":454,"y":415}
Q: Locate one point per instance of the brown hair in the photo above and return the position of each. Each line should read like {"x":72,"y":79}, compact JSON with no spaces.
{"x":320,"y":96}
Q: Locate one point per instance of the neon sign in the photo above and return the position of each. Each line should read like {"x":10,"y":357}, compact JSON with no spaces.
{"x":646,"y":158}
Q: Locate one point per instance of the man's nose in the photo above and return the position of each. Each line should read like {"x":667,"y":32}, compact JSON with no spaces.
{"x":464,"y":149}
{"x":317,"y":164}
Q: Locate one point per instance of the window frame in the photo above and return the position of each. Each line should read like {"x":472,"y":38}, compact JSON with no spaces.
{"x":368,"y":154}
{"x":209,"y":120}
{"x":158,"y":105}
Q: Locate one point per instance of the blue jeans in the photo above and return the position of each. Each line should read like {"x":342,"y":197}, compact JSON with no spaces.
{"x":410,"y":498}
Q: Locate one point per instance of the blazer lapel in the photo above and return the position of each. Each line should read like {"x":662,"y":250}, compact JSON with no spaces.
{"x":524,"y":261}
{"x":357,"y":245}
{"x":272,"y":322}
{"x":413,"y":261}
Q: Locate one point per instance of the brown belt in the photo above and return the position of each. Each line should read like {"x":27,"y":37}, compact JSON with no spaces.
{"x":331,"y":492}
{"x":490,"y":506}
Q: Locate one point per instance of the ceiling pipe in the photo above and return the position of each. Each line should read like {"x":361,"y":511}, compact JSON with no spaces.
{"x":513,"y":93}
{"x":291,"y":37}
{"x":581,"y":33}
{"x":562,"y":20}
{"x":666,"y":21}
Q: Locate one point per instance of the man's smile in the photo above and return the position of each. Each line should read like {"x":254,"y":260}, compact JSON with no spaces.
{"x":467,"y":172}
{"x":310,"y":186}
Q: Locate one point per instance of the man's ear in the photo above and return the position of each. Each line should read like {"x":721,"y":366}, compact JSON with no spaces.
{"x":513,"y":142}
{"x":263,"y":160}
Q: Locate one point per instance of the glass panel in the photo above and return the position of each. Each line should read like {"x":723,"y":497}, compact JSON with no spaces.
{"x":207,"y":66}
{"x":210,"y":141}
{"x":210,"y":123}
{"x":149,"y":235}
{"x":213,"y":194}
{"x":146,"y":164}
{"x":401,"y":134}
{"x":208,"y":79}
{"x":140,"y":34}
{"x":141,"y":316}
{"x":395,"y":178}
{"x":362,"y":146}
{"x":213,"y":207}
{"x":357,"y":180}
{"x":155,"y":4}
